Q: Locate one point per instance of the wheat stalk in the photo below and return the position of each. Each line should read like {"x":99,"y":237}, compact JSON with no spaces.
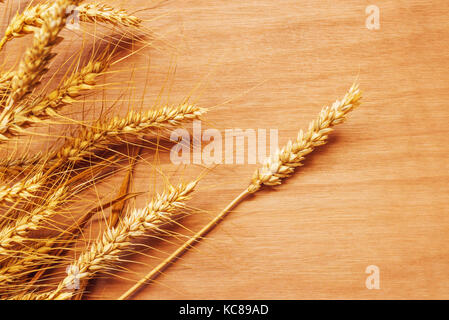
{"x":279,"y":166}
{"x":115,"y":240}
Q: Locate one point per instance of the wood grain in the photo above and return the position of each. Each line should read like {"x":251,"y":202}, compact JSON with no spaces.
{"x":376,"y":195}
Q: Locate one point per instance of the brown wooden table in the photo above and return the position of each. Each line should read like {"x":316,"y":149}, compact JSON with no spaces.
{"x":376,"y":195}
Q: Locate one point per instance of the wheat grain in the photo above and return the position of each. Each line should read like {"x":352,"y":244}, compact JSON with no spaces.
{"x":115,"y":240}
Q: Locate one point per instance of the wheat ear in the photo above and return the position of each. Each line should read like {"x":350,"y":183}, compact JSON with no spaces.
{"x":11,"y":167}
{"x":41,"y":108}
{"x":106,"y":133}
{"x":34,"y":63}
{"x":73,"y":87}
{"x":282,"y":164}
{"x":30,"y":221}
{"x":36,"y":58}
{"x":115,"y":240}
{"x":22,"y":190}
{"x":31,"y":19}
{"x":279,"y":166}
{"x":99,"y":12}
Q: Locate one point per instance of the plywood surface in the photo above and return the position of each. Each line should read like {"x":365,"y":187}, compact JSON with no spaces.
{"x":377,"y":194}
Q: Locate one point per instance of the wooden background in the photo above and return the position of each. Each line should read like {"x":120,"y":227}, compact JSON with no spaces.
{"x":377,"y":194}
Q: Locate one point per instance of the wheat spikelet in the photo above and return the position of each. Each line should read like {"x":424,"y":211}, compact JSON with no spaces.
{"x":39,"y":296}
{"x":41,"y":108}
{"x":31,"y":19}
{"x":93,"y":12}
{"x":37,"y":57}
{"x":115,"y":240}
{"x":11,"y":167}
{"x":282,"y":164}
{"x":107,"y":133}
{"x":5,"y":81}
{"x":24,"y":23}
{"x":33,"y":64}
{"x":68,"y":91}
{"x":22,"y":190}
{"x":30,"y":221}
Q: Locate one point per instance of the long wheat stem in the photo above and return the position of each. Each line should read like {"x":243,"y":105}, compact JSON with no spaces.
{"x":279,"y":166}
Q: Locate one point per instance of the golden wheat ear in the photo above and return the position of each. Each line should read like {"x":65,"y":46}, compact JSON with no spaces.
{"x":103,"y":13}
{"x":34,"y":63}
{"x":79,"y":82}
{"x":115,"y":240}
{"x":282,"y":164}
{"x":40,"y":108}
{"x":276,"y":168}
{"x":31,"y":19}
{"x":104,"y":134}
{"x":11,"y":167}
{"x":18,"y":231}
{"x":101,"y":136}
